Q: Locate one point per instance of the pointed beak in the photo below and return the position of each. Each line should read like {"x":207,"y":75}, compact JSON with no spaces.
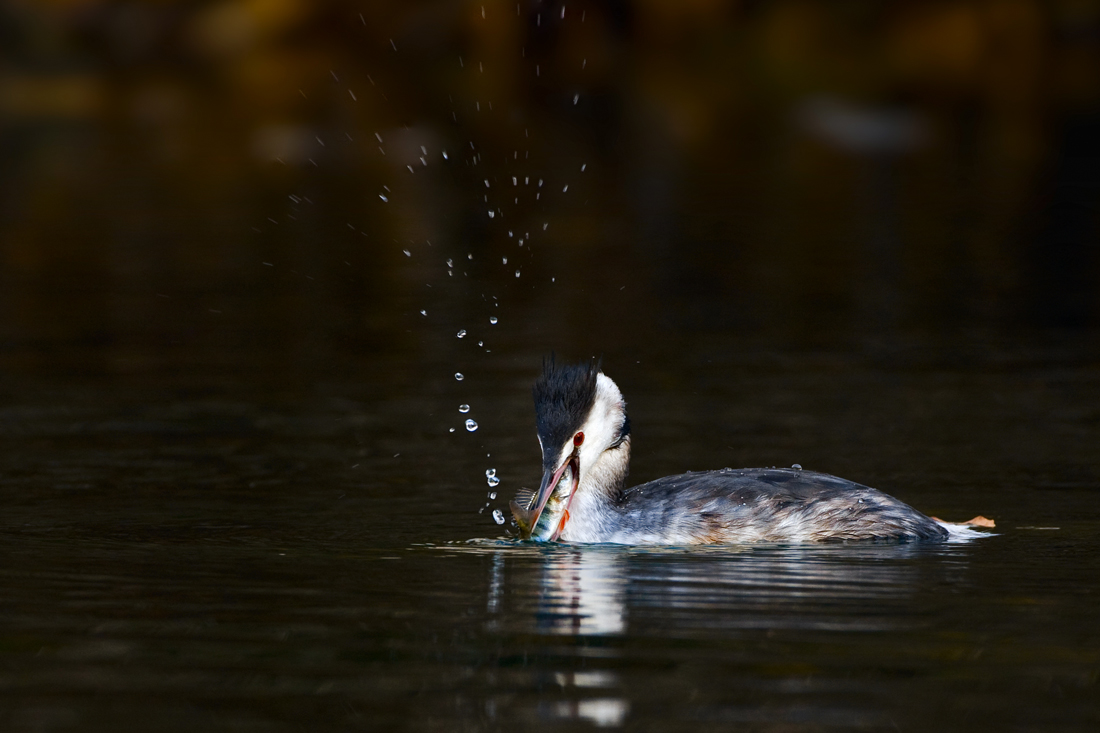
{"x":528,"y":517}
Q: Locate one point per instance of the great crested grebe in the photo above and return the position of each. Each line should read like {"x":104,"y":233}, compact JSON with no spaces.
{"x":585,"y":437}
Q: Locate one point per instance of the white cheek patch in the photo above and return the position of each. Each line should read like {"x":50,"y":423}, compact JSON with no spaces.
{"x":601,"y":427}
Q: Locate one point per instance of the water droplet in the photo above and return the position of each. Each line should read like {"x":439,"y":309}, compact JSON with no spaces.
{"x":470,"y":256}
{"x":492,"y":481}
{"x":796,"y":467}
{"x":462,"y":333}
{"x":498,"y":516}
{"x":493,"y":320}
{"x":383,"y":197}
{"x":861,"y":501}
{"x":492,"y":495}
{"x":565,"y":188}
{"x":471,"y":425}
{"x":576,"y":97}
{"x":407,"y":253}
{"x":517,"y":273}
{"x":480,"y":343}
{"x":423,"y":313}
{"x":463,"y":408}
{"x":492,"y":213}
{"x":490,"y":472}
{"x":505,"y":259}
{"x":509,"y":233}
{"x":458,"y":376}
{"x":486,"y":183}
{"x":450,"y":263}
{"x":451,"y":430}
{"x":444,"y":155}
{"x":583,"y":166}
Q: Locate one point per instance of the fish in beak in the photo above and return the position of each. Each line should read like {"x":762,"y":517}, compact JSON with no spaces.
{"x":541,"y":515}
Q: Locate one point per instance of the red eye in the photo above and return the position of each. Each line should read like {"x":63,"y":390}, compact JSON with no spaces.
{"x":578,"y":438}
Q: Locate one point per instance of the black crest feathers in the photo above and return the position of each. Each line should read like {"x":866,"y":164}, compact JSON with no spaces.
{"x":563,"y":398}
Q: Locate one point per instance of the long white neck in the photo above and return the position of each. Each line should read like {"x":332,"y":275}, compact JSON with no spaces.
{"x":592,"y":512}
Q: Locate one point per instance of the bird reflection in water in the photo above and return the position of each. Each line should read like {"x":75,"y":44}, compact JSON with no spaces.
{"x":600,"y":591}
{"x":579,"y":593}
{"x":582,"y":594}
{"x":614,"y":601}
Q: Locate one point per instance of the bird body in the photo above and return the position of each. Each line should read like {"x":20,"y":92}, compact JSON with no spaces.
{"x":585,"y":438}
{"x":748,"y":505}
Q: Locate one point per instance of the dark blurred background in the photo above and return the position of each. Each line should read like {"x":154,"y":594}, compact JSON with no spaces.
{"x":809,"y":171}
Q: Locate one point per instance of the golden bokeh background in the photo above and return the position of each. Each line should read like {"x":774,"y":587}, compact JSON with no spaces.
{"x":794,"y":166}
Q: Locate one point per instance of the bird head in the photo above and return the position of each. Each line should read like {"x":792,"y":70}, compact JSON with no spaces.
{"x":579,"y":415}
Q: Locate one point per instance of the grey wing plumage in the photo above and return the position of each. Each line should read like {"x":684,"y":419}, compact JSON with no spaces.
{"x":774,"y":505}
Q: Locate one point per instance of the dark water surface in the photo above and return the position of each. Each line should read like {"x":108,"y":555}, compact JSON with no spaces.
{"x":210,"y":552}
